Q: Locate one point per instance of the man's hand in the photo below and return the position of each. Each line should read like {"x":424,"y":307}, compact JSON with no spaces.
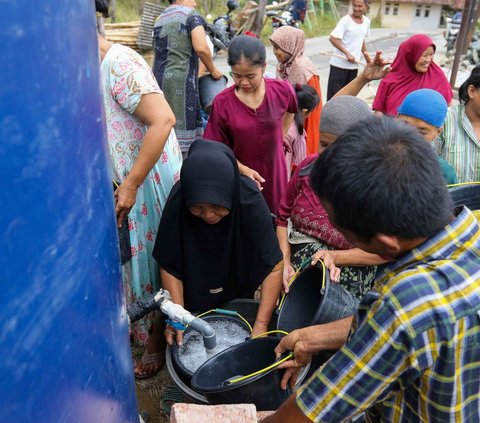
{"x":377,"y":68}
{"x":350,"y":58}
{"x":295,"y":341}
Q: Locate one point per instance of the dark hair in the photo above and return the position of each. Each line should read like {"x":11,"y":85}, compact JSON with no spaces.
{"x":101,"y":6}
{"x":307,"y":99}
{"x":381,"y":176}
{"x":249,"y":48}
{"x":473,"y":79}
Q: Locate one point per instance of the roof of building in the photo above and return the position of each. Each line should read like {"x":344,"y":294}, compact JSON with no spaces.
{"x":453,"y":4}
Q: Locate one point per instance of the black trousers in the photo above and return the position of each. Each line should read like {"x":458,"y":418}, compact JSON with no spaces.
{"x":338,"y":78}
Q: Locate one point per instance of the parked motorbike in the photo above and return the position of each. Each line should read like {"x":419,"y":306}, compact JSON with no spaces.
{"x":473,"y":51}
{"x":453,"y":27}
{"x":223,"y":27}
{"x":282,"y":18}
{"x":217,"y":38}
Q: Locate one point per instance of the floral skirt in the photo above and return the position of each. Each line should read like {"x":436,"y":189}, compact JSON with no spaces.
{"x":357,"y":280}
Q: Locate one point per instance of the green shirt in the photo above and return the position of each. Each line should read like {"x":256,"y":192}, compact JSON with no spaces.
{"x":447,"y":171}
{"x":459,"y":146}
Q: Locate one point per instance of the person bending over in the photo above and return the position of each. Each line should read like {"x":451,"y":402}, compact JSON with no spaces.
{"x":216,"y":240}
{"x":412,"y":352}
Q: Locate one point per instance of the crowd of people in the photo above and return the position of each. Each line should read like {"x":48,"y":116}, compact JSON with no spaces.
{"x":277,"y":178}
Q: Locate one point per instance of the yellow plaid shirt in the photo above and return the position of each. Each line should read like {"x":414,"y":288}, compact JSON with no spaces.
{"x":414,"y":350}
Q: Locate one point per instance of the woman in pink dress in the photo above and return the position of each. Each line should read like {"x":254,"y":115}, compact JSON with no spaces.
{"x":252,"y":117}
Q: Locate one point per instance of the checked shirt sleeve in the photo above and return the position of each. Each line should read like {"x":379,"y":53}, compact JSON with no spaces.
{"x":375,"y":362}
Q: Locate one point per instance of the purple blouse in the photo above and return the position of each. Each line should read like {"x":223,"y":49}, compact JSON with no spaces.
{"x":255,"y":135}
{"x":303,"y":207}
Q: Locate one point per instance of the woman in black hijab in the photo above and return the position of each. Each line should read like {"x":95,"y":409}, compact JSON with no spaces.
{"x":216,"y":240}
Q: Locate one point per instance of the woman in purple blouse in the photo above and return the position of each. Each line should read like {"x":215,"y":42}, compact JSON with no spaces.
{"x":252,"y":117}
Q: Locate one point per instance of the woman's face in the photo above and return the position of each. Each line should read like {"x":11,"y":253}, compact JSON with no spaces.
{"x":247,"y":77}
{"x":326,"y":138}
{"x":209,"y":213}
{"x":282,"y":56}
{"x":425,"y":60}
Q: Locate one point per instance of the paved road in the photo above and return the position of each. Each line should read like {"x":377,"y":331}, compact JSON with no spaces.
{"x":383,"y":39}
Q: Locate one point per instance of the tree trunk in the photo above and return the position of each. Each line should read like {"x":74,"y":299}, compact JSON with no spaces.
{"x":113,"y":10}
{"x":141,"y":3}
{"x":378,"y":18}
{"x":258,"y":22}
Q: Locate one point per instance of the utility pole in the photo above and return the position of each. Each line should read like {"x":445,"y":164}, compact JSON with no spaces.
{"x":469,"y":15}
{"x":258,"y":22}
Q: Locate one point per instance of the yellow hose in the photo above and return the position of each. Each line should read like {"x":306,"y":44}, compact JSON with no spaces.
{"x":213,"y":310}
{"x":461,"y":184}
{"x":266,"y":369}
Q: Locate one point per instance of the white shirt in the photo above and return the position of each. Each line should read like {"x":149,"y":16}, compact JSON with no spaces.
{"x":352,"y":35}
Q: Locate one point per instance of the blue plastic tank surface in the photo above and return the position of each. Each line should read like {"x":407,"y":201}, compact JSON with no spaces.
{"x":64,"y":345}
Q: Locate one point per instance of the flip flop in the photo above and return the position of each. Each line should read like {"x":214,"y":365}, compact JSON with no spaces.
{"x":156,"y":360}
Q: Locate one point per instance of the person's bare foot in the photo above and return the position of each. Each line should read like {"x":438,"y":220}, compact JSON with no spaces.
{"x":153,"y":357}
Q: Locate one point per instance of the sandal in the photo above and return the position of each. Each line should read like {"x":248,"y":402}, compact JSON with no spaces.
{"x":149,"y":365}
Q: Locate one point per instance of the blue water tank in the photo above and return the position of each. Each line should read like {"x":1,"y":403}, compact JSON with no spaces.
{"x":64,"y":346}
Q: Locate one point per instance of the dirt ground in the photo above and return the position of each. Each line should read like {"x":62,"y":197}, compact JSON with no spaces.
{"x":157,"y":394}
{"x":149,"y":396}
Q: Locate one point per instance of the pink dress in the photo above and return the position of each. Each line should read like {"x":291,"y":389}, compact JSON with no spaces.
{"x":255,"y":135}
{"x":125,"y":78}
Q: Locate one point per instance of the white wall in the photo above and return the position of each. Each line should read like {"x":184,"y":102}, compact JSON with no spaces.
{"x":405,"y":15}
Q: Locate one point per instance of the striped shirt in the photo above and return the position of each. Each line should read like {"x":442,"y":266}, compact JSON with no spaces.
{"x":414,"y":350}
{"x":459,"y":145}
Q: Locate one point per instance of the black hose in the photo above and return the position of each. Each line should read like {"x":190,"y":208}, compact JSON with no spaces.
{"x":141,"y":308}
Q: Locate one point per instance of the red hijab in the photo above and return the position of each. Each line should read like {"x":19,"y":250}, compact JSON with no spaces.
{"x":403,"y":78}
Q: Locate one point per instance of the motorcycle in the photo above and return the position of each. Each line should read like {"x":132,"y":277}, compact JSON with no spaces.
{"x":222,"y":27}
{"x":452,"y":32}
{"x":216,"y":38}
{"x":473,"y":51}
{"x":282,"y":18}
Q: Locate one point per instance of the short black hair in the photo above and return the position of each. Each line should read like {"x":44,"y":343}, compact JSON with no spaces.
{"x":307,"y":99}
{"x":102,"y":6}
{"x":381,"y":176}
{"x":246,"y":47}
{"x":473,"y":79}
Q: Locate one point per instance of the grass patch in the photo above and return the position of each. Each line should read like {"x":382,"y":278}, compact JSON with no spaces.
{"x":127,"y":10}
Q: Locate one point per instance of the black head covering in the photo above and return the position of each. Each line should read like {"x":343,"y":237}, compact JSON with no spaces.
{"x":220,"y":262}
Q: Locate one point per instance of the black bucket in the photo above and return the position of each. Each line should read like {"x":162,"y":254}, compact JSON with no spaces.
{"x":208,"y":88}
{"x":467,"y":194}
{"x":253,"y":355}
{"x":309,"y":302}
{"x":248,"y":309}
{"x":183,"y":372}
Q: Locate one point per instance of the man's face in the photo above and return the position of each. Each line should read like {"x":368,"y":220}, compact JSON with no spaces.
{"x":326,"y":138}
{"x":359,"y":8}
{"x":427,"y":131}
{"x":372,"y":245}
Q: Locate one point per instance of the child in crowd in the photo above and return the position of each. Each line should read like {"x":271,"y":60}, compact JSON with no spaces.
{"x":295,"y":141}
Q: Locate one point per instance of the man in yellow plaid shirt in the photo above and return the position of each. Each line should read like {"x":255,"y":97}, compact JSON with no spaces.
{"x":413,"y":352}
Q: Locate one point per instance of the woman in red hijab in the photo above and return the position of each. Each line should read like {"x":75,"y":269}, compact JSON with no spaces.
{"x":412,"y":69}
